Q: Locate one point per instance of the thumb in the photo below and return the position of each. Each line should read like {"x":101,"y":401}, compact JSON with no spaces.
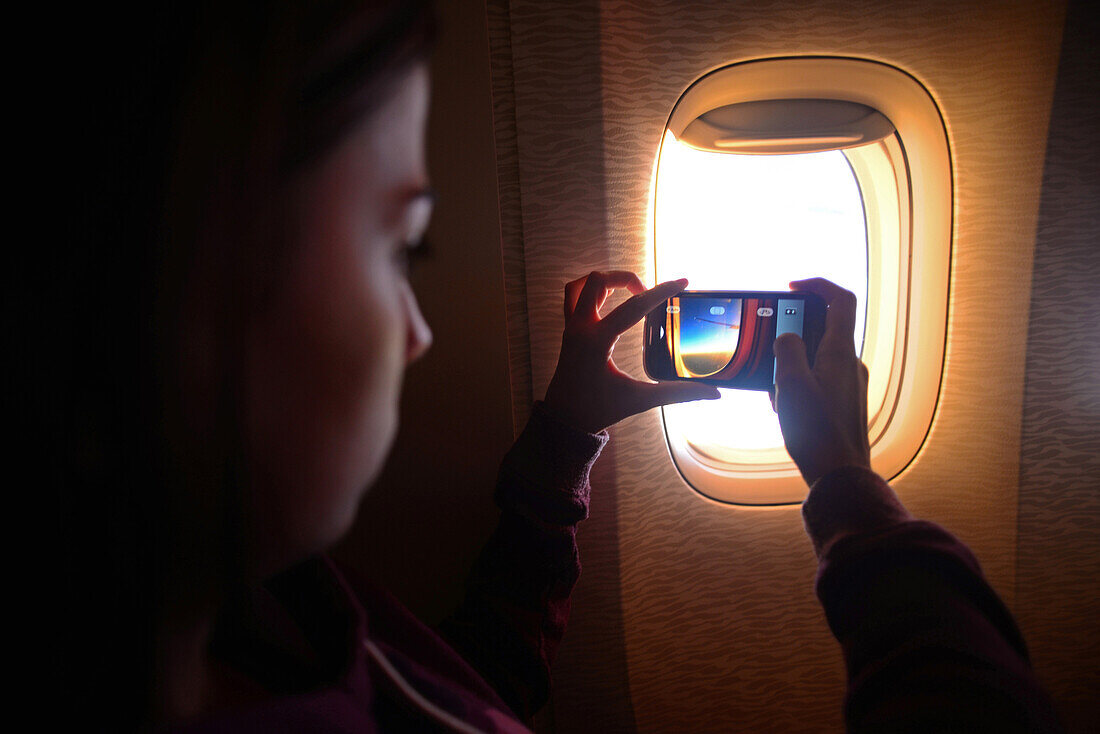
{"x":666,"y":393}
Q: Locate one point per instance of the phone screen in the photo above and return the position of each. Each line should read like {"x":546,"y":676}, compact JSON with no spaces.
{"x":724,"y":339}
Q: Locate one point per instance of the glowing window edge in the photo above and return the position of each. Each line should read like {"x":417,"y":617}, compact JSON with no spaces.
{"x":921,"y":343}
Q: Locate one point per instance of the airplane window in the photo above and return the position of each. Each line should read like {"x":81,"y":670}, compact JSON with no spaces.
{"x":778,"y":169}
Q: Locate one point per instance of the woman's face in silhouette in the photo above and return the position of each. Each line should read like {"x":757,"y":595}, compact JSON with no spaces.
{"x":325,"y":362}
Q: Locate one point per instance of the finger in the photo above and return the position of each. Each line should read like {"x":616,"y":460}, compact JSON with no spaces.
{"x":790,"y":360}
{"x":864,"y":375}
{"x":598,"y":284}
{"x":636,"y":307}
{"x":793,"y":384}
{"x":572,"y":293}
{"x":840,"y":319}
{"x":651,"y":395}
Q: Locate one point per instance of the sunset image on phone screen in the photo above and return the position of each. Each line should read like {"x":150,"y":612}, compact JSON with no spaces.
{"x":721,"y":338}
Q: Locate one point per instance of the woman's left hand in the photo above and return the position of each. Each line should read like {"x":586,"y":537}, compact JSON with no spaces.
{"x":588,"y":391}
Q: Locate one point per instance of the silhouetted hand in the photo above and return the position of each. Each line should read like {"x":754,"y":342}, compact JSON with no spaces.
{"x":823,"y":411}
{"x":588,"y":391}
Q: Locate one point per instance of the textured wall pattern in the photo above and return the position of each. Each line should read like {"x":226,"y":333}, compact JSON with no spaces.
{"x":695,"y":616}
{"x":721,"y":628}
{"x":1058,"y":596}
{"x":555,"y":70}
{"x":511,"y":210}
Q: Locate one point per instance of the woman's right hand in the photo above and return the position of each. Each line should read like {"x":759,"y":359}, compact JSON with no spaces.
{"x":823,"y":411}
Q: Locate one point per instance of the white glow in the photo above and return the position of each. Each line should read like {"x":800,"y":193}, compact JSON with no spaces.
{"x":754,"y":222}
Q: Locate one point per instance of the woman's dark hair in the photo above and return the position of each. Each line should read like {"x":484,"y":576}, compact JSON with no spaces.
{"x":189,"y":123}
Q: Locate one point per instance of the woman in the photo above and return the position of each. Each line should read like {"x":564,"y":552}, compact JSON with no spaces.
{"x":272,"y":169}
{"x":240,"y":316}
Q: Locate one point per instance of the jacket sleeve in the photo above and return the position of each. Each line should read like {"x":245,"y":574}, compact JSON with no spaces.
{"x":928,"y":644}
{"x":516,"y":604}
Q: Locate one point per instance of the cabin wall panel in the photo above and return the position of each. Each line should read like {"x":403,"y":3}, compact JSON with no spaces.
{"x":1058,"y":595}
{"x":555,"y":83}
{"x":692,"y":615}
{"x":513,"y":260}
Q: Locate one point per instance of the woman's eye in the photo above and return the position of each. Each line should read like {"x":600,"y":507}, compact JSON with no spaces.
{"x":411,"y":252}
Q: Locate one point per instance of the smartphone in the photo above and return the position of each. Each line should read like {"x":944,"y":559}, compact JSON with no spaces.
{"x":724,"y":338}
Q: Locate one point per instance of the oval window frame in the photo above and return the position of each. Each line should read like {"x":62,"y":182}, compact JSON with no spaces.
{"x":918,"y":157}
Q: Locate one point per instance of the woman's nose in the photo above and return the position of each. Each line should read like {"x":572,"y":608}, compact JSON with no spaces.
{"x":419,"y":337}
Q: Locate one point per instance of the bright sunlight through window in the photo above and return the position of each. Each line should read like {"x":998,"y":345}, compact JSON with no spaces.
{"x":774,"y":170}
{"x":730,"y":221}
